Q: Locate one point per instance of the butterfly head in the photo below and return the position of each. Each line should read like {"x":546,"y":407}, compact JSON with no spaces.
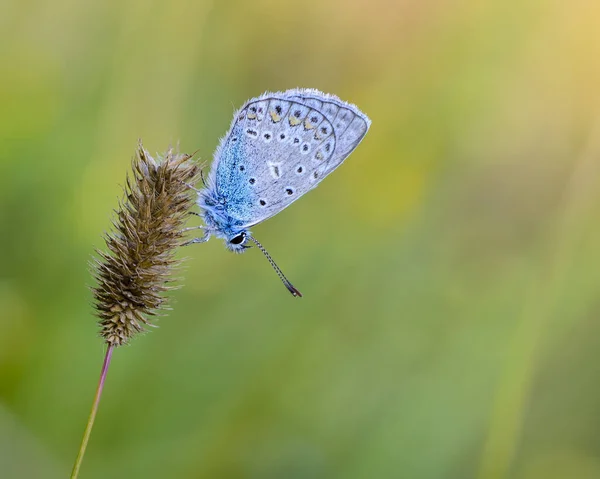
{"x":238,"y":242}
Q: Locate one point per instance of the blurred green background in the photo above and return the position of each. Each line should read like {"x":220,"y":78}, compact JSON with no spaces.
{"x":450,"y":325}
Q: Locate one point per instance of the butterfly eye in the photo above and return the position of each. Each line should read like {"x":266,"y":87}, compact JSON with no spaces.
{"x":239,"y":239}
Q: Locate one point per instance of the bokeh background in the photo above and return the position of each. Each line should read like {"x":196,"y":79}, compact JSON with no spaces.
{"x":450,"y":326}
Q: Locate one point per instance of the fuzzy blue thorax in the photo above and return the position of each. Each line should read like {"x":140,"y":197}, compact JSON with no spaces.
{"x":218,"y":221}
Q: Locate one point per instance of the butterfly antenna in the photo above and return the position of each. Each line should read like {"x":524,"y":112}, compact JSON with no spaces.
{"x":282,"y":277}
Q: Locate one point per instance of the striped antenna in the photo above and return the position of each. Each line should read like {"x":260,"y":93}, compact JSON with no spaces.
{"x":282,"y":277}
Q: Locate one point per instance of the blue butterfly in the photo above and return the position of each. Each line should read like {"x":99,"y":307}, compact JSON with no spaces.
{"x":279,"y":146}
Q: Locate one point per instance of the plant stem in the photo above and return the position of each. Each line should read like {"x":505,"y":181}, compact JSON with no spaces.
{"x":90,"y":423}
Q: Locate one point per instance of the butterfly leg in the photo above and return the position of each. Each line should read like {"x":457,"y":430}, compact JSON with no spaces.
{"x":192,"y":228}
{"x":202,"y":239}
{"x":191,"y":187}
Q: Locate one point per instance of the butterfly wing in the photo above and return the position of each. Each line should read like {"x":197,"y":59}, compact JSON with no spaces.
{"x":350,"y":125}
{"x":280,"y":146}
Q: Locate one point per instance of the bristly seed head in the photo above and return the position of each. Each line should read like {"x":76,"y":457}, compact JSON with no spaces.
{"x":135,"y":271}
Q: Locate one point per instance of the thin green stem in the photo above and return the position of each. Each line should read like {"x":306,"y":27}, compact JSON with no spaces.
{"x":90,"y":422}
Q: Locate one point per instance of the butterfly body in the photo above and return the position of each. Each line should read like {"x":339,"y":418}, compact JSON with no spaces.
{"x":279,"y":147}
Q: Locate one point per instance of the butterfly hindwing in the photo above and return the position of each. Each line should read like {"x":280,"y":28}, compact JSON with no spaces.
{"x":280,"y":146}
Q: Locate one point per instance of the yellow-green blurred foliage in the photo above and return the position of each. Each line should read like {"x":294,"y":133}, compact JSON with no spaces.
{"x":450,"y":326}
